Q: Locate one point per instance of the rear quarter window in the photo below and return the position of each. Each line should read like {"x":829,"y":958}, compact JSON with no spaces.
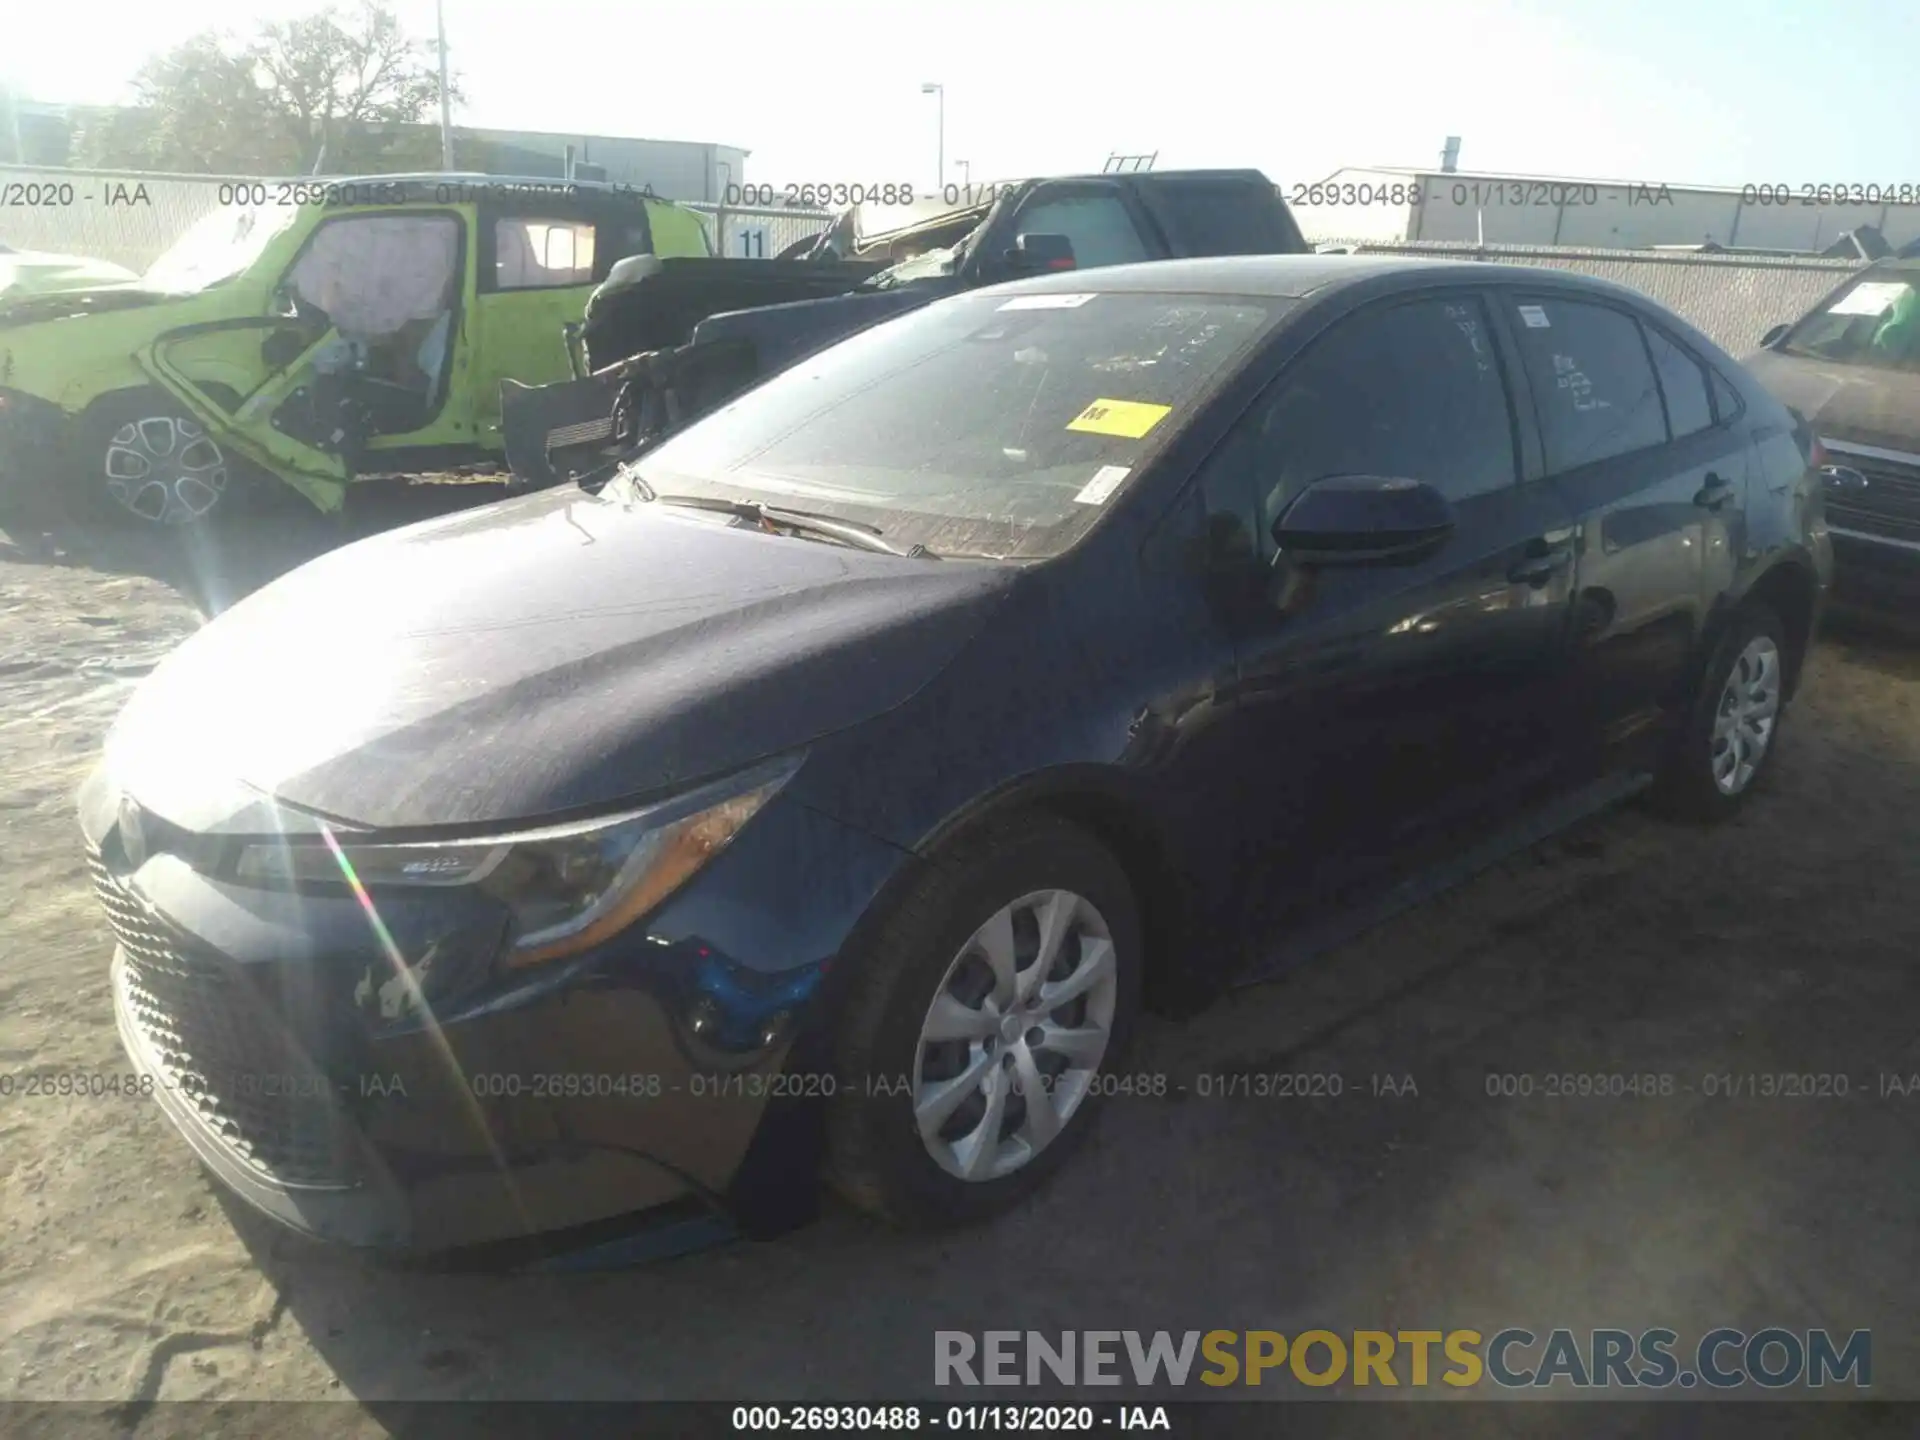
{"x":1213,"y":217}
{"x":1684,"y":382}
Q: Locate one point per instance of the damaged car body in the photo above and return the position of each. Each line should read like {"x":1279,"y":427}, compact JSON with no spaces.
{"x":308,"y":334}
{"x":1851,"y":365}
{"x":829,"y":792}
{"x":666,"y":341}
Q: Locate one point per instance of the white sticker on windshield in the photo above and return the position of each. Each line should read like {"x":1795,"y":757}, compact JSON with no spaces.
{"x":1105,"y":481}
{"x":1872,"y":298}
{"x":1046,"y":302}
{"x":1535,"y":317}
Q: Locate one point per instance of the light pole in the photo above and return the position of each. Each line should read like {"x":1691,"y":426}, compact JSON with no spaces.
{"x":939,"y":91}
{"x":446,"y":111}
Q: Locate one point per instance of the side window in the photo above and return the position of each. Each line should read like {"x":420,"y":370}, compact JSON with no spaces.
{"x":1410,"y":390}
{"x":1727,"y":404}
{"x":1683,"y":380}
{"x":374,"y":274}
{"x":530,"y":254}
{"x":1099,"y":227}
{"x":1591,"y":379}
{"x":1220,"y":217}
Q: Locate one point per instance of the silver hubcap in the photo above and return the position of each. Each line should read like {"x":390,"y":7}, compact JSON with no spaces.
{"x":165,"y":470}
{"x":1749,"y":708}
{"x":1015,"y":1035}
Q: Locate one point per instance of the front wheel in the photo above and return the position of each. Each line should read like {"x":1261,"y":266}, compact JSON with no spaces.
{"x":987,"y":1011}
{"x":144,"y":461}
{"x":1733,"y":727}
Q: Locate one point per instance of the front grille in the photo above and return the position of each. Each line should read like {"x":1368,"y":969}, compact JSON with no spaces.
{"x":229,"y":1046}
{"x":1889,"y":506}
{"x":1874,"y":521}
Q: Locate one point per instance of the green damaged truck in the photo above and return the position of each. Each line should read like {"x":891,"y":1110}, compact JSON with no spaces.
{"x":311,"y":333}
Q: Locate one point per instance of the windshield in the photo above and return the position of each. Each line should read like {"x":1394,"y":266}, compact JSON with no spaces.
{"x":981,"y":425}
{"x":217,"y":247}
{"x":1874,"y":322}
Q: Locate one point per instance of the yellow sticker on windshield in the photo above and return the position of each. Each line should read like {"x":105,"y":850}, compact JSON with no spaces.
{"x":1129,"y":419}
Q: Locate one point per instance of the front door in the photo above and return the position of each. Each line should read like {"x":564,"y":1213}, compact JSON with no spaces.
{"x":1101,"y":223}
{"x":361,"y":350}
{"x":1382,"y":705}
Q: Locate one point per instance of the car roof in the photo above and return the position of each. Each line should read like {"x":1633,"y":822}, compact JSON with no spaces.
{"x":1297,"y":276}
{"x":590,"y":190}
{"x":876,"y":221}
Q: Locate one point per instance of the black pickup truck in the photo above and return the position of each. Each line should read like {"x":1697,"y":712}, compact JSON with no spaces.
{"x":665,"y":341}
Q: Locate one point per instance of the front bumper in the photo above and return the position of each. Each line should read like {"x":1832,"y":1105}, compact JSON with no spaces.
{"x":1875,"y":571}
{"x":677,"y":1070}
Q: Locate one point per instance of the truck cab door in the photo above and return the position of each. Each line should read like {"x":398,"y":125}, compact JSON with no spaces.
{"x":1102,"y":221}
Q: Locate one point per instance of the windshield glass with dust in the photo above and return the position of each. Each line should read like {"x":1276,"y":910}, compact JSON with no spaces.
{"x":984,"y":424}
{"x":1874,"y":322}
{"x":217,"y":247}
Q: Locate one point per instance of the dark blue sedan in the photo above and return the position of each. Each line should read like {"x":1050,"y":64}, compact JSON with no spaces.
{"x":826,"y":794}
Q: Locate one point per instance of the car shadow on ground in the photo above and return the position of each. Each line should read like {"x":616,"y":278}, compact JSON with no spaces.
{"x":1420,"y":1195}
{"x":218,"y":565}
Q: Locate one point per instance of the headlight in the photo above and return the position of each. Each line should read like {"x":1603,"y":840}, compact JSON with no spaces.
{"x":569,"y":886}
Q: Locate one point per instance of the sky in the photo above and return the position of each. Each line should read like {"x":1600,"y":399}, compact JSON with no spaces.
{"x":1711,"y":92}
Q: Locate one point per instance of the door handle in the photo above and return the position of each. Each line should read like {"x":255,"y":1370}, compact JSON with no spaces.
{"x":1537,"y":570}
{"x":1715,"y":493}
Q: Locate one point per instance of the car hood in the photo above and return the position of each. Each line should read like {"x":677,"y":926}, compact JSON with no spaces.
{"x":32,"y":272}
{"x":1845,"y":402}
{"x":539,"y":656}
{"x":34,"y":304}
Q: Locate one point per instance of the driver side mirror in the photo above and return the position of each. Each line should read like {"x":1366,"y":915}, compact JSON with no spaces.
{"x":286,"y":305}
{"x":1363,"y":520}
{"x":1774,"y":336}
{"x":1037,"y":254}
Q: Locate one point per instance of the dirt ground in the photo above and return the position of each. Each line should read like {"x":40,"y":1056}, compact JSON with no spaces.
{"x":1784,"y":943}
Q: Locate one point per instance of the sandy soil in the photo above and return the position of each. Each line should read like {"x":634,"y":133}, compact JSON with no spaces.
{"x":1783,"y":943}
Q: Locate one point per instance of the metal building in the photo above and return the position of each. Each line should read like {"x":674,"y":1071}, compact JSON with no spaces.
{"x":1389,"y":204}
{"x":676,"y":169}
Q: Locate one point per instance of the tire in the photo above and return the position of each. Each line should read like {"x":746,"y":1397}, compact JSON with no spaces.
{"x":929,"y":947}
{"x":1717,"y":762}
{"x":142,"y":460}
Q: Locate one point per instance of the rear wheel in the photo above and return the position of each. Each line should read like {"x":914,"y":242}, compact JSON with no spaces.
{"x":987,"y":1013}
{"x":145,"y":461}
{"x":1733,"y":728}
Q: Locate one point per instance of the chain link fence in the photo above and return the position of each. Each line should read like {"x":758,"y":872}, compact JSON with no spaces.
{"x":751,"y":233}
{"x":130,"y":217}
{"x":124,"y":216}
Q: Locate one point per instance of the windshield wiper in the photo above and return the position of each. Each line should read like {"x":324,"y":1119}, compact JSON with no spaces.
{"x":850,"y":532}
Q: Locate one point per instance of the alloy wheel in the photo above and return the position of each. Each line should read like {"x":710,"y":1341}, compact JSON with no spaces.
{"x":165,"y":470}
{"x":1013,"y":1040}
{"x":1744,"y":720}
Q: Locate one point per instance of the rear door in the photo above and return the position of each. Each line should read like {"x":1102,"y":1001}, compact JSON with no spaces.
{"x":1656,"y":481}
{"x":1381,"y":705}
{"x":539,"y":261}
